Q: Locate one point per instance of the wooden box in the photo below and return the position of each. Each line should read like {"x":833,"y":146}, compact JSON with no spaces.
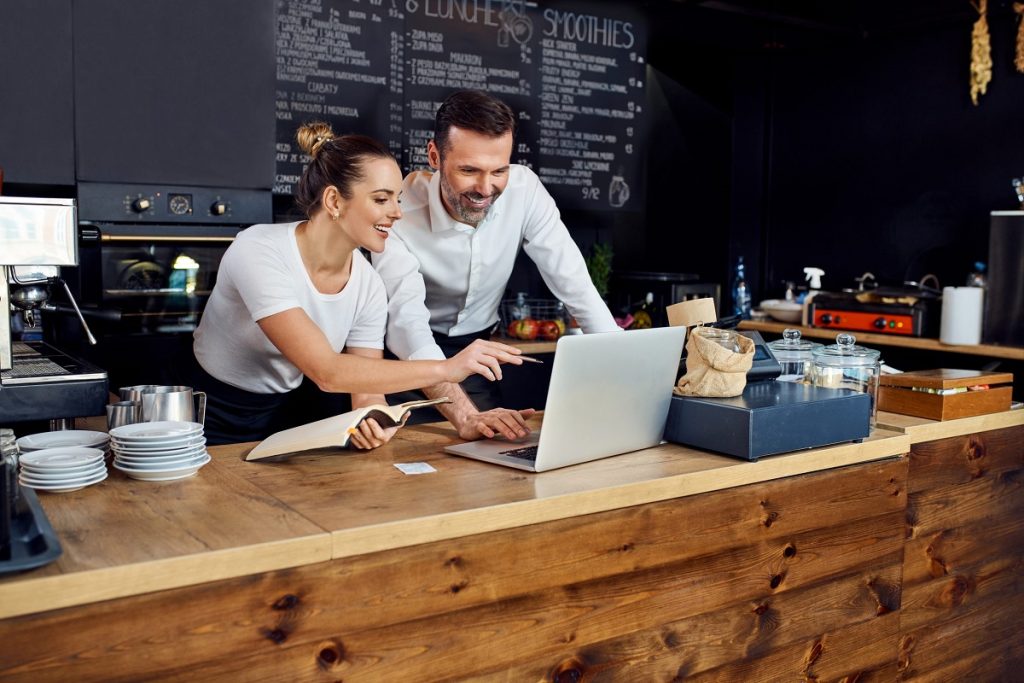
{"x":896,"y":393}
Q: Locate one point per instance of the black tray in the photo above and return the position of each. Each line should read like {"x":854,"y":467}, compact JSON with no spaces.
{"x":33,"y":541}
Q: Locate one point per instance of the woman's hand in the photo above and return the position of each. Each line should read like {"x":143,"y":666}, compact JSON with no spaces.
{"x":371,"y":435}
{"x":481,"y":357}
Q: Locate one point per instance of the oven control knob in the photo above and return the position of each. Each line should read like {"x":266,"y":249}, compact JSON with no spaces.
{"x":880,"y":323}
{"x":218,"y":208}
{"x":141,"y":205}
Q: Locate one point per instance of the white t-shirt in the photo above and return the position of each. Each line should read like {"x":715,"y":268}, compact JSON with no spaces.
{"x":261,"y":274}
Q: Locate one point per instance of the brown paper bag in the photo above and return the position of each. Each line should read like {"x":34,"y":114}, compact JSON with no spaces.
{"x":713,"y":370}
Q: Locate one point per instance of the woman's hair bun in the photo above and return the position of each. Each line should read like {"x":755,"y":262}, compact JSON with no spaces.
{"x":312,"y":136}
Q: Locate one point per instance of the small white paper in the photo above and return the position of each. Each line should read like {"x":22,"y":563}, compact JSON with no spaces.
{"x":414,"y":467}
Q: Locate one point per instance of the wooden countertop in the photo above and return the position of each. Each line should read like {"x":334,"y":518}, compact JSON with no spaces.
{"x":920,"y":429}
{"x":125,"y":537}
{"x":869,"y":338}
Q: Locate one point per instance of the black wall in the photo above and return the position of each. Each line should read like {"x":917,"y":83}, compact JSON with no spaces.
{"x":852,"y":142}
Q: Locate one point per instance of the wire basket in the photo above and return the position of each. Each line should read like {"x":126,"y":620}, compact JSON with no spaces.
{"x":533,"y":319}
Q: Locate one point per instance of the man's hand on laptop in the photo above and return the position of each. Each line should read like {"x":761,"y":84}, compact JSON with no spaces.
{"x":510,"y":424}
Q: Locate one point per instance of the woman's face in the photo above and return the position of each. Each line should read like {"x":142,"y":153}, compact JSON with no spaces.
{"x":373,"y":208}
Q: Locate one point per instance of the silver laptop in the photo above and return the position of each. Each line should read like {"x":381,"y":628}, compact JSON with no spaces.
{"x":609,"y":394}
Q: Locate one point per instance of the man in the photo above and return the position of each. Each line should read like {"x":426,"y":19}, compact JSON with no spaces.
{"x":449,"y":258}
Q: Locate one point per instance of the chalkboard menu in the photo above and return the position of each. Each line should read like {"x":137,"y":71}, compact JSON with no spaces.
{"x":573,"y":71}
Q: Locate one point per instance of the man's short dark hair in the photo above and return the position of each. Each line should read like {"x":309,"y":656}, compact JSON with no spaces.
{"x":472,"y":110}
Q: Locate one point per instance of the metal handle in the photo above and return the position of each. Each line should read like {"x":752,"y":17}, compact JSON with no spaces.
{"x":85,"y":326}
{"x":164,"y":238}
{"x":201,"y":413}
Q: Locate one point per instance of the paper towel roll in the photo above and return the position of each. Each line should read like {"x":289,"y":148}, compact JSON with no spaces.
{"x":961,"y":315}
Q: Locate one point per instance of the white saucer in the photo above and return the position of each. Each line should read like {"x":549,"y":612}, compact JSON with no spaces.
{"x":152,"y":456}
{"x":65,"y":487}
{"x":69,"y":437}
{"x":44,"y":476}
{"x":172,"y":446}
{"x":160,"y":463}
{"x":146,"y":432}
{"x":164,"y":474}
{"x":58,"y":459}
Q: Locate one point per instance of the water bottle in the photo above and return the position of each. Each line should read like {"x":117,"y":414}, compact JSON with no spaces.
{"x":977,"y":276}
{"x":740,"y":291}
{"x":520,"y":309}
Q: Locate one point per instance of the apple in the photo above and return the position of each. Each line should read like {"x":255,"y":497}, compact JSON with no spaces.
{"x":526,"y":328}
{"x":549,"y":330}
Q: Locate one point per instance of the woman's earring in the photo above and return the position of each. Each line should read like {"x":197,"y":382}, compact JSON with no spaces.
{"x":337,"y":215}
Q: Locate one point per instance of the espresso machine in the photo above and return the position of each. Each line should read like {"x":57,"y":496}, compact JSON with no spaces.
{"x":38,"y":381}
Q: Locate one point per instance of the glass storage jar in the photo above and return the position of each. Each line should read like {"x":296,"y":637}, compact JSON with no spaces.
{"x":844,"y":365}
{"x":725,"y":338}
{"x":795,"y":356}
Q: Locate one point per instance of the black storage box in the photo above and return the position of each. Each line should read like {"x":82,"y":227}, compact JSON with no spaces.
{"x":768,"y":418}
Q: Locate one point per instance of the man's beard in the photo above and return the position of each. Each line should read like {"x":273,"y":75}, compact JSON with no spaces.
{"x":466,"y":212}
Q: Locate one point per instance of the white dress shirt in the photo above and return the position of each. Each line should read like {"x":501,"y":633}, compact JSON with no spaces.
{"x":447,"y":276}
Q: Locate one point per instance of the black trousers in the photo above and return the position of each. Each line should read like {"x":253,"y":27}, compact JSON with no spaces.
{"x":484,"y":394}
{"x":235,"y":415}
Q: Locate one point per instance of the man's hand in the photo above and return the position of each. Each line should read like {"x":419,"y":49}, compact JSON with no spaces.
{"x":510,"y":424}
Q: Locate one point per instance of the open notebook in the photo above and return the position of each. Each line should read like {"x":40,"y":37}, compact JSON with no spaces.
{"x":333,"y":432}
{"x":609,"y":394}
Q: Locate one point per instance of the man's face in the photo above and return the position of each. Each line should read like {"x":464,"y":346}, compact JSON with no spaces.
{"x":474,"y":172}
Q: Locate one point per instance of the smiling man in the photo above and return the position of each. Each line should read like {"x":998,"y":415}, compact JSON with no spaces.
{"x":452,"y":253}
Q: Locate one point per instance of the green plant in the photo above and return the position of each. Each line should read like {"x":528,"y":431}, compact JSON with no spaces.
{"x":599,"y":265}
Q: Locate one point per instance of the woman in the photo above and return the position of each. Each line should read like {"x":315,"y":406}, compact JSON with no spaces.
{"x":300,"y":300}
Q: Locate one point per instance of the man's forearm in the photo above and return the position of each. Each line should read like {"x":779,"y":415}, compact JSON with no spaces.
{"x":460,"y":408}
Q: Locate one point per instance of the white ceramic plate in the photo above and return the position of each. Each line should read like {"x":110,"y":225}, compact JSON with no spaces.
{"x":150,"y":456}
{"x":160,"y":463}
{"x":61,"y":458}
{"x":174,"y":446}
{"x":164,"y":474}
{"x":782,"y":310}
{"x":52,"y":475}
{"x":69,"y":437}
{"x":65,"y":487}
{"x":149,"y":431}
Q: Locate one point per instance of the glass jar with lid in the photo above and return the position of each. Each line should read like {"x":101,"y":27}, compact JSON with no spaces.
{"x":794,"y":355}
{"x":725,"y":338}
{"x":844,"y":365}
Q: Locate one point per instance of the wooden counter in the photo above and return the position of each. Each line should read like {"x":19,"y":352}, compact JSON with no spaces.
{"x":872,"y":339}
{"x":661,"y":563}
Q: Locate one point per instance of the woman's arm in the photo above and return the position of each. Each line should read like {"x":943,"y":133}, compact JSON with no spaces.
{"x":303,"y":343}
{"x":370,"y":434}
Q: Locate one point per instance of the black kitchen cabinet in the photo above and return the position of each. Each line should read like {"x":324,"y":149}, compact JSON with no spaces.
{"x":175,"y":92}
{"x":36,"y":92}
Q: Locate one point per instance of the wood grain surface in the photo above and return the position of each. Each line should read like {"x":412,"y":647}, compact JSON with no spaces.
{"x":921,"y":429}
{"x":751,"y":570}
{"x":964,"y":559}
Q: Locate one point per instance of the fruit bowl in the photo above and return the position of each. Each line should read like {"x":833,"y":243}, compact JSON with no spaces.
{"x":545,"y":319}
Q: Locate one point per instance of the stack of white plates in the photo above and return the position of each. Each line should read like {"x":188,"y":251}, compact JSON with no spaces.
{"x":159,"y":451}
{"x":59,"y":470}
{"x":69,"y":437}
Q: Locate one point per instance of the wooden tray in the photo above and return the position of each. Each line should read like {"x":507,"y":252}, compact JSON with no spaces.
{"x":896,"y":393}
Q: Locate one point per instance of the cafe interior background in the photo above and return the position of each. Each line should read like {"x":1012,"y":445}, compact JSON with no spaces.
{"x":792,"y":133}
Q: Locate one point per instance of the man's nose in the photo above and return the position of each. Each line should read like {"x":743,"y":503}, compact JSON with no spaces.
{"x":482,"y":186}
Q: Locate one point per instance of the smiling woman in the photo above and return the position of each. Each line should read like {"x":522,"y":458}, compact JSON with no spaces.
{"x":300,"y":300}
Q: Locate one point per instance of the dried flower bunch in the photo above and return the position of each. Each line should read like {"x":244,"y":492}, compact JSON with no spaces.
{"x":981,"y":54}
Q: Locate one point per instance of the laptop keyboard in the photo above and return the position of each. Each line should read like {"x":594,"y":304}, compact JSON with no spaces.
{"x":526,"y":453}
